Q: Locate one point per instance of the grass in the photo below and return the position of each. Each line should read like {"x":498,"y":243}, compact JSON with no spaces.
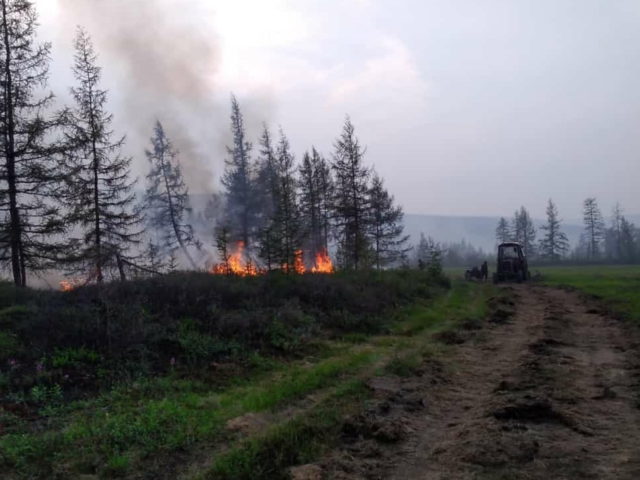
{"x":120,"y":432}
{"x":617,"y":285}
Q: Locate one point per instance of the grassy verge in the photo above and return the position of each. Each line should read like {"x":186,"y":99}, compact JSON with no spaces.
{"x":120,"y":432}
{"x":617,"y":286}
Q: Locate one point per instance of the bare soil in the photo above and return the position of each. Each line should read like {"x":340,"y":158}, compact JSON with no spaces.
{"x":546,"y":389}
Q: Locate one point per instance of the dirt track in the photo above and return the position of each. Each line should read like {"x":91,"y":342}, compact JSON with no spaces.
{"x":550,"y":392}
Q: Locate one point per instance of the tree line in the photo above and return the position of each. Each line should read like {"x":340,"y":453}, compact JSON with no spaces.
{"x":277,"y":208}
{"x":68,"y":199}
{"x":618,"y":242}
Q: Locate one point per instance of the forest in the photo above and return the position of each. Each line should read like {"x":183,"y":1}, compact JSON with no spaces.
{"x":71,"y":204}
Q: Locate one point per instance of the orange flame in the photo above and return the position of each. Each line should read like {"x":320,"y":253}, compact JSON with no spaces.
{"x":298,"y":263}
{"x":237,"y":264}
{"x":323,"y":263}
{"x":69,"y":285}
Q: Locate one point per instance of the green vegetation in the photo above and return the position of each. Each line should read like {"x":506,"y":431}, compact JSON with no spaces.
{"x":617,"y":285}
{"x":299,"y":391}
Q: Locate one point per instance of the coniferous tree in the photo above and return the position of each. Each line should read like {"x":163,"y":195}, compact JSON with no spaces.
{"x":167,"y":197}
{"x":222,"y":242}
{"x":614,"y":249}
{"x":629,"y":247}
{"x":555,"y":244}
{"x":594,"y":227}
{"x":429,"y":255}
{"x":237,"y":180}
{"x":286,"y":221}
{"x":502,"y":231}
{"x":350,"y":199}
{"x":101,"y":197}
{"x":267,"y":189}
{"x":385,"y":226}
{"x":266,"y":183}
{"x":315,"y":196}
{"x":29,"y":175}
{"x":523,"y":231}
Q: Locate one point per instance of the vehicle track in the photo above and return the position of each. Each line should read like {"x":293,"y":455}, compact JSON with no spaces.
{"x":550,"y":394}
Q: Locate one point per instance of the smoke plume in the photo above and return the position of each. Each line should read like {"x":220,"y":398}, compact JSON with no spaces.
{"x":160,"y":60}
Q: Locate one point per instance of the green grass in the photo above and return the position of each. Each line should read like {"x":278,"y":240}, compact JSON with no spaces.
{"x":297,"y":441}
{"x":617,"y":285}
{"x":115,"y":434}
{"x":129,"y":422}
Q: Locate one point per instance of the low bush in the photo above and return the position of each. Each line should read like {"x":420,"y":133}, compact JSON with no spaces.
{"x":122,"y":331}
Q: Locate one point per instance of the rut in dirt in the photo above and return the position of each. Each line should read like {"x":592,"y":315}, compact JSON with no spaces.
{"x":548,"y":389}
{"x":552,"y":393}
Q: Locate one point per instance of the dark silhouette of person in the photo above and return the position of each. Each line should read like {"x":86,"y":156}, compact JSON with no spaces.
{"x":485,"y":270}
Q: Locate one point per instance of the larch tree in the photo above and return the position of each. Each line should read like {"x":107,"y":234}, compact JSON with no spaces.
{"x":315,"y":186}
{"x":554,"y":245}
{"x":503,"y":233}
{"x":286,"y":220}
{"x":237,"y":180}
{"x":629,"y":236}
{"x":594,"y":227}
{"x":101,"y":198}
{"x":266,"y":181}
{"x":167,"y":197}
{"x":385,"y":228}
{"x":523,"y":231}
{"x":30,"y":176}
{"x":350,"y":206}
{"x":616,"y":232}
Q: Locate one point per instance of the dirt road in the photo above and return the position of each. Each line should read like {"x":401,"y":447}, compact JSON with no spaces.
{"x":549,"y":392}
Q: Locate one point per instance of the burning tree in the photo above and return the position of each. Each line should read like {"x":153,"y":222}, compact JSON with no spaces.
{"x":167,"y":196}
{"x":315,"y":185}
{"x":237,"y":179}
{"x":101,"y":195}
{"x":30,"y":175}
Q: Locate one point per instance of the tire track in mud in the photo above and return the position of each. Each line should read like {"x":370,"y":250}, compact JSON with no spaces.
{"x":548,"y":393}
{"x":553,"y":394}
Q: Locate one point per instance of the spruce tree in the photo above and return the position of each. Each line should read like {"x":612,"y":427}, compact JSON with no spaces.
{"x":237,"y":179}
{"x":385,"y":226}
{"x":167,"y":197}
{"x":30,"y":177}
{"x":101,"y":199}
{"x":555,"y":244}
{"x":503,"y":233}
{"x":594,"y":227}
{"x":350,"y":206}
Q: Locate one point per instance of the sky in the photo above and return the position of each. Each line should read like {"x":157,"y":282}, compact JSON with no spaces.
{"x":465,"y":107}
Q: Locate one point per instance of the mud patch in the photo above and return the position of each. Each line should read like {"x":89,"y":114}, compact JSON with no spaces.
{"x":535,"y":410}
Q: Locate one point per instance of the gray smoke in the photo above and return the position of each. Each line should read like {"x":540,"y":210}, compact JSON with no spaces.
{"x":159,"y":60}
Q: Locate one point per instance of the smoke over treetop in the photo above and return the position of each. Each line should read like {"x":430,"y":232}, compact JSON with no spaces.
{"x":160,"y":61}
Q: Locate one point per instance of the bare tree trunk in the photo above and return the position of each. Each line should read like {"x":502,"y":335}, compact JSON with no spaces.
{"x":15,"y":233}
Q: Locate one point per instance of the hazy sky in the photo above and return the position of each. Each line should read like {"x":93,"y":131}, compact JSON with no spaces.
{"x":466,"y":107}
